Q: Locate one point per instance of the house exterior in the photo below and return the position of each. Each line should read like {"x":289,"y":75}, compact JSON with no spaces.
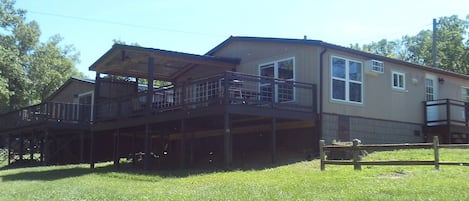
{"x":261,"y":100}
{"x":54,"y":129}
{"x":365,"y":96}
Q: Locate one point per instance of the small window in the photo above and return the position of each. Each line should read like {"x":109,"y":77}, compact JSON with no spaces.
{"x":465,"y":94}
{"x":398,"y":80}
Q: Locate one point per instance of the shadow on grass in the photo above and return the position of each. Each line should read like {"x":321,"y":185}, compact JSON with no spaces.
{"x":125,"y":171}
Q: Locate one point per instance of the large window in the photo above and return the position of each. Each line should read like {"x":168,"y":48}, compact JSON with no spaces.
{"x":346,"y":80}
{"x":284,"y":71}
{"x":398,"y":80}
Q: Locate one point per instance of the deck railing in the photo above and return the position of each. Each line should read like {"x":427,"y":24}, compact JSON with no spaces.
{"x":46,"y":112}
{"x":446,"y":112}
{"x":225,"y":88}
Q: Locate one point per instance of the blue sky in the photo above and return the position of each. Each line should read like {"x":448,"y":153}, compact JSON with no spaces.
{"x":197,"y":26}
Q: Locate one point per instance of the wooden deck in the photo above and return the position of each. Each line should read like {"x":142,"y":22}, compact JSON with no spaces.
{"x":447,"y":119}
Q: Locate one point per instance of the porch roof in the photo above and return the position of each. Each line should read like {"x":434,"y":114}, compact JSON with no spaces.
{"x":125,"y":60}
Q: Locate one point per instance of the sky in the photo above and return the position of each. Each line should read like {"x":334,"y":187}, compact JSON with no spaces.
{"x":198,"y":26}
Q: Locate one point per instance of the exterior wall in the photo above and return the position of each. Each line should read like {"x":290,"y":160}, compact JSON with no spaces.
{"x":69,"y":94}
{"x":380,"y":100}
{"x":371,"y":131}
{"x":253,"y":54}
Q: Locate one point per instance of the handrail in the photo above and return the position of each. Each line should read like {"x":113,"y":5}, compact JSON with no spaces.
{"x":46,"y":112}
{"x":240,"y":89}
{"x":445,"y":112}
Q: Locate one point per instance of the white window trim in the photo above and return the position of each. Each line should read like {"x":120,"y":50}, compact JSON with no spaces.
{"x":275,"y":62}
{"x":464,"y":97}
{"x":92,"y":102}
{"x":347,"y":80}
{"x":403,"y":80}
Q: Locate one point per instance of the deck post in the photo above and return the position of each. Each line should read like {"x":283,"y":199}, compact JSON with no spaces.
{"x":31,"y":147}
{"x":322,"y":155}
{"x":91,"y":149}
{"x":227,"y":141}
{"x":41,"y":150}
{"x":355,"y":152}
{"x":116,"y":148}
{"x":82,"y":146}
{"x":183,"y":144}
{"x":147,"y":141}
{"x":150,"y":79}
{"x":9,"y":149}
{"x":21,"y":151}
{"x":45,"y":147}
{"x":274,"y":140}
{"x":436,"y":152}
{"x":134,"y":146}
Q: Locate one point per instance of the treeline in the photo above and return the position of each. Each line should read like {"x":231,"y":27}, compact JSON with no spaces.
{"x":30,"y":70}
{"x":452,"y":46}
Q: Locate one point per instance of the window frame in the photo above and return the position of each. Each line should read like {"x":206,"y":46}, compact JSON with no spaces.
{"x":398,"y":73}
{"x":276,"y":77}
{"x":347,"y":80}
{"x":465,"y":93}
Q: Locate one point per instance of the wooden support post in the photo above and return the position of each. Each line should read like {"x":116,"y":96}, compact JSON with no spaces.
{"x":191,"y":150}
{"x":436,"y":152}
{"x":274,"y":140}
{"x":9,"y":149}
{"x":322,"y":155}
{"x":45,"y":148}
{"x":227,"y":141}
{"x":21,"y":151}
{"x":82,"y":146}
{"x":134,"y":148}
{"x":183,"y":144}
{"x":41,"y":150}
{"x":150,"y":79}
{"x":147,"y":141}
{"x":355,"y":153}
{"x":116,"y":148}
{"x":91,"y":150}
{"x":31,"y":148}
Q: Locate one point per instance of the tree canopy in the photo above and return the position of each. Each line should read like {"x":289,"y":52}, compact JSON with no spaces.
{"x":30,"y":70}
{"x":452,"y":46}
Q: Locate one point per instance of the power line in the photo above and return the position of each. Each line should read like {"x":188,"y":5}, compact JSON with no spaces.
{"x":102,"y":21}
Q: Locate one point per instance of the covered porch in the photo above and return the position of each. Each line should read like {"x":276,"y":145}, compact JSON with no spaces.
{"x":197,"y":88}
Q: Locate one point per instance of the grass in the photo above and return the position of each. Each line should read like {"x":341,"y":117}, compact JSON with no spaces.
{"x":299,"y":181}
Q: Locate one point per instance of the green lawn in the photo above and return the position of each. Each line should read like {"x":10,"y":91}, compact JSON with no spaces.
{"x":299,"y":181}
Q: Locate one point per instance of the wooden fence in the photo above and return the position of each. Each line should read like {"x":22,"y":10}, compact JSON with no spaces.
{"x":356,"y":148}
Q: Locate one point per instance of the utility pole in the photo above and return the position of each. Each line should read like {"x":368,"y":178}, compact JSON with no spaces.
{"x":434,"y":50}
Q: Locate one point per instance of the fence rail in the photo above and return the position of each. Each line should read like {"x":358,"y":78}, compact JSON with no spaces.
{"x":356,"y":148}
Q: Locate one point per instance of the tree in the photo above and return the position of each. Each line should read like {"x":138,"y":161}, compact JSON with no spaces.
{"x":25,"y":63}
{"x":453,"y":51}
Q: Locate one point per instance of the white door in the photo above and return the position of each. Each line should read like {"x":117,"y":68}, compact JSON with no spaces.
{"x":431,"y":96}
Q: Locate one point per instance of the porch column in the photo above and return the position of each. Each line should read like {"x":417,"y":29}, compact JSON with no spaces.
{"x":227,"y":141}
{"x":9,"y":149}
{"x":82,"y":146}
{"x":91,"y":149}
{"x":274,"y":140}
{"x":21,"y":151}
{"x":44,"y":147}
{"x":183,"y":144}
{"x":31,"y":147}
{"x":147,"y":141}
{"x":151,"y":75}
{"x":116,"y":148}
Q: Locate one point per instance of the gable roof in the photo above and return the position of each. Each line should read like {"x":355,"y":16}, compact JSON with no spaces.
{"x":68,"y":82}
{"x":323,"y":44}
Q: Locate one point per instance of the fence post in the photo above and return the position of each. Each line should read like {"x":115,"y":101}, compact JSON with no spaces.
{"x":355,"y":151}
{"x":322,"y":154}
{"x":436,"y":152}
